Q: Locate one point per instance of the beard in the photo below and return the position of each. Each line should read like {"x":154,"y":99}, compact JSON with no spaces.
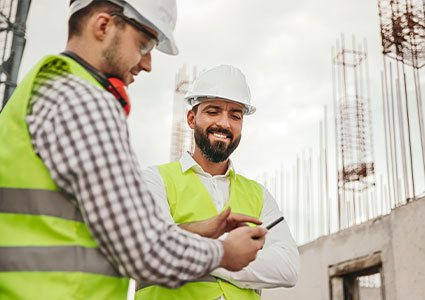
{"x":217,"y":151}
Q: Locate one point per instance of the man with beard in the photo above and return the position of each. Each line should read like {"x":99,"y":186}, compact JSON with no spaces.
{"x":76,"y":219}
{"x":192,"y":192}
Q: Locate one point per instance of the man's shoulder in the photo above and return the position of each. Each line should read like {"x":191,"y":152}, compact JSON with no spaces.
{"x":247,"y":182}
{"x":162,"y":175}
{"x":56,"y":83}
{"x":170,"y":170}
{"x":158,"y":170}
{"x":169,"y":163}
{"x":244,"y":178}
{"x":56,"y":74}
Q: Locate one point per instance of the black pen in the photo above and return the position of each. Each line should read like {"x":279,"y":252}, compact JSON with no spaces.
{"x":270,"y":226}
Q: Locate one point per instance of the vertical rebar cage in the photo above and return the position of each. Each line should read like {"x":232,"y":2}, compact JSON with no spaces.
{"x":353,"y":114}
{"x":402,"y":25}
{"x":355,"y":162}
{"x":403,"y":30}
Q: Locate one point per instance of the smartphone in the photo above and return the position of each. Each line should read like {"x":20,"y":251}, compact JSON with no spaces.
{"x":270,"y":226}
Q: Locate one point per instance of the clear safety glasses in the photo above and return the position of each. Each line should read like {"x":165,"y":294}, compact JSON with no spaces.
{"x":151,"y":43}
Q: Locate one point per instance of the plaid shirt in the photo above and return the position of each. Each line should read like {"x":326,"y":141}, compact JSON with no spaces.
{"x":80,"y":133}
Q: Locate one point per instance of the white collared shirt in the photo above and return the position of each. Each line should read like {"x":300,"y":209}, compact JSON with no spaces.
{"x":277,"y":265}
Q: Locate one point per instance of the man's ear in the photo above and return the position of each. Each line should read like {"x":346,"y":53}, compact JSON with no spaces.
{"x":101,"y":25}
{"x":191,"y":119}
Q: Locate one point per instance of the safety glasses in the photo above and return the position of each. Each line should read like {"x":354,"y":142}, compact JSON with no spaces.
{"x":150,"y":44}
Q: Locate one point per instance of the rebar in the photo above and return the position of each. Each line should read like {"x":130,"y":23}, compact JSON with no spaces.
{"x":402,"y":24}
{"x":354,"y":148}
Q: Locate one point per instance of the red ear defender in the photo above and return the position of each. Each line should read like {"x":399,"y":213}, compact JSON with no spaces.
{"x":112,"y":83}
{"x":119,"y":89}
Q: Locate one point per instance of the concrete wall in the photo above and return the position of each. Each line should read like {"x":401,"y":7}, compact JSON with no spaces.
{"x":370,"y":294}
{"x":399,"y":236}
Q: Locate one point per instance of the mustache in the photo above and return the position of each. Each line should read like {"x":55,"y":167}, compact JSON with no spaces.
{"x":220,"y":130}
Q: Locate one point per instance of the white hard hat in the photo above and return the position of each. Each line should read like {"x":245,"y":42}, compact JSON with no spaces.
{"x":159,"y":15}
{"x":225,"y":82}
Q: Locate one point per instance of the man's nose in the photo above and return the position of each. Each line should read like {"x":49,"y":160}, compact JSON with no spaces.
{"x":223,"y":121}
{"x":145,"y":63}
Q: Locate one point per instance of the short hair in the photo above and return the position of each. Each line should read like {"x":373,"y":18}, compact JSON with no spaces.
{"x":195,"y":108}
{"x":79,"y":19}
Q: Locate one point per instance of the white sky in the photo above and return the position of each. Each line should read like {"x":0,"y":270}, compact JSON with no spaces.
{"x":283,"y":48}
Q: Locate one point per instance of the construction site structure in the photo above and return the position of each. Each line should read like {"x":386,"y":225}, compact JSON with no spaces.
{"x":403,"y":30}
{"x":13,"y":17}
{"x":402,"y":24}
{"x":181,"y":135}
{"x":353,"y":138}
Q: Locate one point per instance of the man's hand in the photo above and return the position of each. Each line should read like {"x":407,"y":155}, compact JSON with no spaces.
{"x":216,"y":226}
{"x":240,"y":248}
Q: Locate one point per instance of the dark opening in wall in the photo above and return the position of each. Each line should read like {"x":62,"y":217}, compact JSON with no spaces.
{"x":357,"y":279}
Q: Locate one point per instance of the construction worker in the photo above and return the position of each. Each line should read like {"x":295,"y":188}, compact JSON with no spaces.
{"x":193,"y":190}
{"x":76,"y":219}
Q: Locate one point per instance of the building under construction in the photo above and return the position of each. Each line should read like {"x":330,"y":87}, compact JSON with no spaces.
{"x":354,"y":141}
{"x":381,"y":259}
{"x":402,"y":25}
{"x":377,"y":253}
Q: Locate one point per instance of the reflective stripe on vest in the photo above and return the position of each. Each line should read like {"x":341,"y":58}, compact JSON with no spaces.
{"x":46,"y":250}
{"x":38,"y":202}
{"x":55,"y":259}
{"x":63,"y":258}
{"x":206,"y":278}
{"x":189,"y":201}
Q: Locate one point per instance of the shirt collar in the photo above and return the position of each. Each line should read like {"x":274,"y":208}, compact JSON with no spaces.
{"x":187,"y":162}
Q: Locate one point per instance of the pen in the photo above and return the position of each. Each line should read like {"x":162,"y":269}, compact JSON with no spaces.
{"x":270,"y":226}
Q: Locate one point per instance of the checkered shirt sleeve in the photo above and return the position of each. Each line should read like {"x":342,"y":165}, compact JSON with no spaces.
{"x":80,"y":133}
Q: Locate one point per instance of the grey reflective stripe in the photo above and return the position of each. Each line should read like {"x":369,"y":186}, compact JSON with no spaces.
{"x":38,"y":202}
{"x":206,"y":278}
{"x":57,"y":258}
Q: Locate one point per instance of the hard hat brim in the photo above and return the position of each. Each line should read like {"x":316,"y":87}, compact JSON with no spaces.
{"x":194,"y":100}
{"x":166,"y":43}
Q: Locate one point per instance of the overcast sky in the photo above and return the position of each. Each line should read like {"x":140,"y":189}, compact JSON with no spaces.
{"x":284,"y":49}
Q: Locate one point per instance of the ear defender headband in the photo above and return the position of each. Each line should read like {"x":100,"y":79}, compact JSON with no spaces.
{"x":111,"y":83}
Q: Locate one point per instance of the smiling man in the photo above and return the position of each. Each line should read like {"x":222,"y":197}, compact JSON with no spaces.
{"x":192,"y":192}
{"x":76,"y":218}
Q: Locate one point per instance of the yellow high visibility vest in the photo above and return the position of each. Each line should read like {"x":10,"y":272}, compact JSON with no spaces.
{"x":189,"y":201}
{"x":46,"y":249}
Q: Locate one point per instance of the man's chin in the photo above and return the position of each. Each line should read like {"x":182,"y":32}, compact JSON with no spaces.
{"x":215,"y":158}
{"x":219,"y":146}
{"x":215,"y":141}
{"x":129,"y":81}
